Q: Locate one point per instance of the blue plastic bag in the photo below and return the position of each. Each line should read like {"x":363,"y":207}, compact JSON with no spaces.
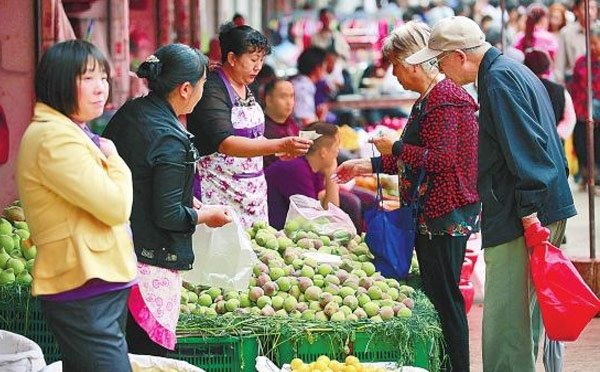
{"x":391,"y":234}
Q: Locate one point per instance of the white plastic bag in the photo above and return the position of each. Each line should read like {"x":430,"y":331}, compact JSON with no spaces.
{"x":145,"y":363}
{"x":223,"y":257}
{"x":20,"y":354}
{"x":263,"y":364}
{"x":305,"y":210}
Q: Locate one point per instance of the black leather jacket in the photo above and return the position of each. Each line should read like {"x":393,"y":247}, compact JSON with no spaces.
{"x":162,"y":158}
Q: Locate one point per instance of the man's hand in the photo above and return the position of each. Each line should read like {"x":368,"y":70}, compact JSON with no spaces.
{"x":529,"y":220}
{"x":330,"y":170}
{"x":535,"y":233}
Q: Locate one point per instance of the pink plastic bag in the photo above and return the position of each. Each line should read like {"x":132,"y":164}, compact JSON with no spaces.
{"x":566,"y":302}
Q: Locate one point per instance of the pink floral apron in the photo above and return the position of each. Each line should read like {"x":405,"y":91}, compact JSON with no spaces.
{"x":234,"y":181}
{"x":154,"y":303}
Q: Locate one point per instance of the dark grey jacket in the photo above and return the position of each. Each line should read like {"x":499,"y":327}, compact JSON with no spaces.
{"x":522,"y":168}
{"x":161,"y":157}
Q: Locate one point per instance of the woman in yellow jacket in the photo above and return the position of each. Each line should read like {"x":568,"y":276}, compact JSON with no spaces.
{"x":77,"y":195}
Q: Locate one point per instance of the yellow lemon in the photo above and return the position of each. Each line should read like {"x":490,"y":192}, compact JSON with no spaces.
{"x":296,"y":363}
{"x":350,"y":368}
{"x":303,"y":368}
{"x":321,"y":364}
{"x":323,"y":358}
{"x":352,"y":360}
{"x":336,"y":366}
{"x":316,"y":370}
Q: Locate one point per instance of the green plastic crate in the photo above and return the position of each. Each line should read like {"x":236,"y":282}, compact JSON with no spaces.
{"x":218,"y":354}
{"x":364,"y":347}
{"x":309,"y":348}
{"x":20,"y":313}
{"x":373,"y":349}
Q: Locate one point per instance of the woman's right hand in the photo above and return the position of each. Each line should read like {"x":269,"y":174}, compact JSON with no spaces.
{"x":350,"y":169}
{"x":214,"y":215}
{"x":292,"y":147}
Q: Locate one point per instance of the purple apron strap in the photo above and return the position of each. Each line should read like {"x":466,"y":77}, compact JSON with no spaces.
{"x":197,"y":186}
{"x":230,"y":90}
{"x":240,"y":176}
{"x":251,"y":132}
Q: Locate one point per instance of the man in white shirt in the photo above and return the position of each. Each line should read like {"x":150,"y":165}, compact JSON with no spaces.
{"x":571,"y":43}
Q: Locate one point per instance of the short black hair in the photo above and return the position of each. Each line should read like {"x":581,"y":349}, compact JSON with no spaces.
{"x":322,"y":11}
{"x":57,"y":73}
{"x":236,"y":16}
{"x":311,"y":58}
{"x":240,"y":40}
{"x":328,"y":134}
{"x":266,"y":72}
{"x":172,"y":65}
{"x":272,"y":84}
{"x":537,"y":60}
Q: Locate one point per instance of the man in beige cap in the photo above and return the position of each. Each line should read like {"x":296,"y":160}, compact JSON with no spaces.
{"x":522,"y":180}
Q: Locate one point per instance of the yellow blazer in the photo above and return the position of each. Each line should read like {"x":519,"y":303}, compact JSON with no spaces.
{"x":77,"y":203}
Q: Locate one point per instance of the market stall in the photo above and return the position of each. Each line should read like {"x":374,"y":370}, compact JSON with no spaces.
{"x":313,"y":291}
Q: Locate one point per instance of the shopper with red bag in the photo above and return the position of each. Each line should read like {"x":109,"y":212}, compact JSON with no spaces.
{"x":522,"y":180}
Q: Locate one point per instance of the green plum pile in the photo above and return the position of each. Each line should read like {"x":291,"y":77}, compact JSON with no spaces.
{"x":17,"y":254}
{"x":288,"y":282}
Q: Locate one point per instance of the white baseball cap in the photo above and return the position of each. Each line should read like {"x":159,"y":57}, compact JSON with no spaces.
{"x":449,"y":34}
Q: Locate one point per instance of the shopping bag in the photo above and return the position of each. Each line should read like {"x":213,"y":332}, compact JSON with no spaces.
{"x":224,"y":256}
{"x":566,"y":302}
{"x":308,"y":214}
{"x":20,"y":354}
{"x":391,"y":234}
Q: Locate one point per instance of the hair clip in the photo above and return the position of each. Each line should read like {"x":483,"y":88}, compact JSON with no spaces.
{"x":152,"y":59}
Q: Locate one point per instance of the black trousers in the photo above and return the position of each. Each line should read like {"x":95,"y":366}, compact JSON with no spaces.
{"x":139,"y":342}
{"x":440,"y":262}
{"x":579,"y":142}
{"x":91,"y":332}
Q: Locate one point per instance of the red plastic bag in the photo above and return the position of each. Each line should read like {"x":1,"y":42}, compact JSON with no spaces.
{"x":566,"y":302}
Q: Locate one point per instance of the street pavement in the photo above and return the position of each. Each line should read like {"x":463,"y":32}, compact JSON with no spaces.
{"x":581,"y":355}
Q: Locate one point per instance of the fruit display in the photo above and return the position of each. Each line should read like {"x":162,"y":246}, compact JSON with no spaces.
{"x":17,"y":253}
{"x":389,"y":184}
{"x":290,"y":282}
{"x":324,"y":364}
{"x":348,"y":138}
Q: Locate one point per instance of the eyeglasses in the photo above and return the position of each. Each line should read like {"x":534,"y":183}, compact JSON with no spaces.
{"x":439,"y":58}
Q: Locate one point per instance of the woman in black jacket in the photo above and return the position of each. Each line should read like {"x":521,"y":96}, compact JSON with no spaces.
{"x":162,"y":158}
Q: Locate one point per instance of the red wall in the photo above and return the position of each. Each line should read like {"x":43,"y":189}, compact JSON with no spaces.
{"x":17,"y":61}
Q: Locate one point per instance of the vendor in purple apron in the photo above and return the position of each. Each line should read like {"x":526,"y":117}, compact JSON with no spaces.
{"x":228,"y":125}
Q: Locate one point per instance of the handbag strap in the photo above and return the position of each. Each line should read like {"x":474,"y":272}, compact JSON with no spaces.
{"x":414,"y":196}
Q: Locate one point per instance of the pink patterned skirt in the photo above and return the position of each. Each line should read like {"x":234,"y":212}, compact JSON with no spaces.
{"x":154,"y":303}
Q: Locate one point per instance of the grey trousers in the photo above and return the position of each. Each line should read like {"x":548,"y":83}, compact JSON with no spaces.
{"x":91,"y":332}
